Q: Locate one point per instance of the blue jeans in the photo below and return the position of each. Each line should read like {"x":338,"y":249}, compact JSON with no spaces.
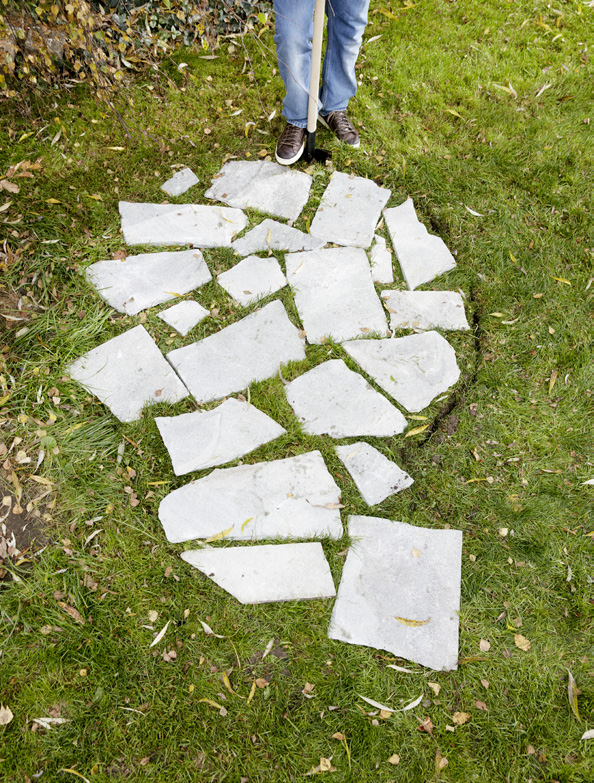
{"x":294,"y":30}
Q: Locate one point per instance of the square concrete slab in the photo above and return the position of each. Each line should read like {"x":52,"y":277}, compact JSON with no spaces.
{"x":204,"y":439}
{"x":134,"y":283}
{"x":263,"y":185}
{"x":128,"y":372}
{"x":425,"y":309}
{"x":269,"y":572}
{"x":375,"y":475}
{"x":287,"y":498}
{"x":180,"y":182}
{"x":272,"y":235}
{"x":180,"y":224}
{"x":400,"y":591}
{"x":253,"y":278}
{"x":413,"y":369}
{"x":335,"y":295}
{"x":349,"y":210}
{"x":333,"y":400}
{"x":382,"y":270}
{"x":249,"y":350}
{"x":184,"y":316}
{"x":421,"y":255}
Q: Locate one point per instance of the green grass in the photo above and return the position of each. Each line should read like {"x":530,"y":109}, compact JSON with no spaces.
{"x":506,"y":449}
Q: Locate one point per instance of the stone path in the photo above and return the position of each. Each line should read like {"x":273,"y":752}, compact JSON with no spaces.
{"x":400,"y":586}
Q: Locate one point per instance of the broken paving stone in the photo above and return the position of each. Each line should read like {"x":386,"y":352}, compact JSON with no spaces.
{"x":180,"y":224}
{"x":204,"y":439}
{"x":421,"y":255}
{"x":349,"y":210}
{"x":134,"y":283}
{"x":270,"y":572}
{"x":263,"y":185}
{"x":382,"y":270}
{"x":375,"y":475}
{"x":180,"y":182}
{"x":184,"y":316}
{"x":286,"y":498}
{"x":334,"y":294}
{"x":333,"y":400}
{"x":272,"y":235}
{"x":253,"y":278}
{"x":412,"y":369}
{"x":400,"y":591}
{"x":128,"y":372}
{"x":425,"y":309}
{"x":249,"y":350}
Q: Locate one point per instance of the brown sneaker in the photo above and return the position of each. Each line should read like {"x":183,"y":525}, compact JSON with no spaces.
{"x":290,"y":144}
{"x":344,"y":130}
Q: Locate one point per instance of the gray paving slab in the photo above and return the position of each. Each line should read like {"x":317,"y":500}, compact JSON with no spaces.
{"x":413,"y":369}
{"x":333,"y":400}
{"x":263,"y":185}
{"x":382,"y":270}
{"x":375,"y":475}
{"x":253,"y":278}
{"x":205,"y":439}
{"x":272,"y":235}
{"x":425,"y":309}
{"x":180,"y":224}
{"x":268,"y":572}
{"x":184,"y":316}
{"x":128,"y":372}
{"x":349,"y":210}
{"x":335,"y":295}
{"x":180,"y":182}
{"x":286,"y":498}
{"x":249,"y":350}
{"x":134,"y":283}
{"x":422,"y":256}
{"x":400,"y":591}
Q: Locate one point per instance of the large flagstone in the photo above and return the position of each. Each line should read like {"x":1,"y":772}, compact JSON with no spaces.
{"x":180,"y":182}
{"x":425,"y":309}
{"x":375,"y":475}
{"x":272,"y":235}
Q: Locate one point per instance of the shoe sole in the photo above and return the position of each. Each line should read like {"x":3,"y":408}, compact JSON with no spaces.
{"x":290,"y":161}
{"x":323,"y":122}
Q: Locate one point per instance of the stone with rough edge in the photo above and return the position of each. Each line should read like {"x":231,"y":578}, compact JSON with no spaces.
{"x":252,"y":349}
{"x":286,"y":498}
{"x":205,"y":439}
{"x":268,"y":572}
{"x":128,"y":372}
{"x":382,"y":270}
{"x":263,"y":185}
{"x":137,"y":282}
{"x":394,"y":570}
{"x":184,"y":316}
{"x":180,"y":182}
{"x":272,"y":235}
{"x":425,"y":310}
{"x":375,"y":475}
{"x":412,"y":369}
{"x":180,"y":224}
{"x":335,"y":295}
{"x":252,"y":279}
{"x":333,"y":400}
{"x":349,"y":210}
{"x":421,"y":255}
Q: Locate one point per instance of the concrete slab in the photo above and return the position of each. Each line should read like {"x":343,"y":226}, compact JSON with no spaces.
{"x":425,"y":309}
{"x":249,"y":350}
{"x":269,"y":572}
{"x":180,"y":182}
{"x":204,"y":439}
{"x":413,"y":369}
{"x":134,"y":283}
{"x":184,"y":316}
{"x":400,"y":591}
{"x":382,"y":270}
{"x":253,"y":278}
{"x":286,"y":498}
{"x":128,"y":372}
{"x":349,"y":210}
{"x":333,"y":400}
{"x":335,"y":295}
{"x":375,"y":475}
{"x":272,"y":235}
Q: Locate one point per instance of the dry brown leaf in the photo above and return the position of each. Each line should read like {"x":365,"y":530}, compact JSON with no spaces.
{"x":480,"y":705}
{"x":521,"y":642}
{"x":394,"y":759}
{"x":5,"y":715}
{"x":485,"y":684}
{"x":337,"y":735}
{"x":435,"y":687}
{"x":74,"y":613}
{"x":573,"y":692}
{"x":460,"y":718}
{"x":440,"y":762}
{"x":484,"y":645}
{"x":385,"y":714}
{"x":261,"y":682}
{"x":426,"y":725}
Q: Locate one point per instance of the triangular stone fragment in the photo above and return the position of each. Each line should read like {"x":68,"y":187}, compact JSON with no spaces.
{"x":400,"y":591}
{"x":204,"y":439}
{"x":272,"y":235}
{"x":253,"y":278}
{"x":375,"y":475}
{"x":413,"y":369}
{"x":421,"y":255}
{"x":333,"y":400}
{"x":425,"y":309}
{"x":269,"y":572}
{"x":380,"y":257}
{"x":287,"y":498}
{"x":180,"y":182}
{"x":184,"y":316}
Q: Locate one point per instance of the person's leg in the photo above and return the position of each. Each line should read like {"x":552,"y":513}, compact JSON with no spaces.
{"x":293,"y":34}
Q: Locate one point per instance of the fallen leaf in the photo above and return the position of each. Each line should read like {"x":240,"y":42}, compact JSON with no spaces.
{"x":152,"y":615}
{"x":573,"y":692}
{"x":307,"y":689}
{"x":11,"y":187}
{"x":412,"y":623}
{"x":552,"y":380}
{"x":211,"y":703}
{"x":588,"y":734}
{"x":252,"y":691}
{"x":394,"y":759}
{"x":227,"y":684}
{"x":435,"y":687}
{"x":337,"y":735}
{"x":561,"y":280}
{"x":400,"y":669}
{"x":485,"y":684}
{"x":480,"y":705}
{"x":261,"y":682}
{"x":426,"y":725}
{"x":5,"y":715}
{"x":47,"y":723}
{"x":385,"y":714}
{"x":416,"y":430}
{"x":484,"y":645}
{"x":74,"y":772}
{"x":416,"y":552}
{"x":269,"y":647}
{"x":74,"y":613}
{"x":521,"y":642}
{"x":208,"y":630}
{"x":160,"y":635}
{"x":325,"y":765}
{"x":440,"y":762}
{"x":376,"y":704}
{"x":472,"y":212}
{"x":460,"y":718}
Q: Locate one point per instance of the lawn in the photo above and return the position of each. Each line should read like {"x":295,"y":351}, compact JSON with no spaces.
{"x":481,"y":113}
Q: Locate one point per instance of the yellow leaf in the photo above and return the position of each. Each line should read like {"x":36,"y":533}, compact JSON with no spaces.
{"x":211,"y":703}
{"x":116,"y":149}
{"x":191,"y":688}
{"x":521,"y":642}
{"x":412,"y":623}
{"x":4,"y":400}
{"x":387,"y":13}
{"x":460,"y":718}
{"x":573,"y":692}
{"x":513,"y":258}
{"x":561,"y":280}
{"x":41,"y":480}
{"x":227,"y":684}
{"x":252,"y":691}
{"x":52,"y":201}
{"x":337,"y":735}
{"x":96,"y":196}
{"x":418,"y":418}
{"x":247,"y":521}
{"x":416,"y":431}
{"x":496,"y":315}
{"x":25,"y":136}
{"x":218,"y":536}
{"x":78,"y":775}
{"x":552,"y":380}
{"x":455,"y":113}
